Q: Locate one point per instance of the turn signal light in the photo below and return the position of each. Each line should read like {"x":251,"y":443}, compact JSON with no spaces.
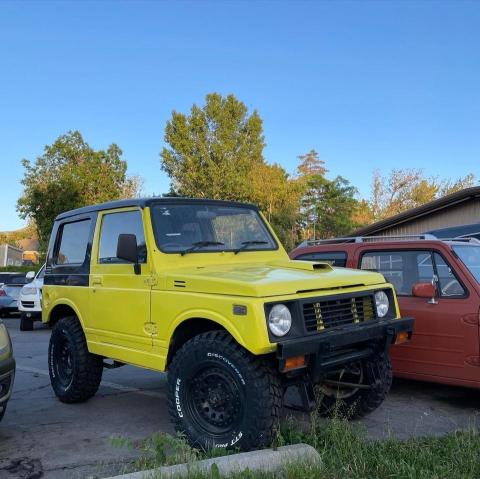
{"x":402,"y":337}
{"x":294,"y":363}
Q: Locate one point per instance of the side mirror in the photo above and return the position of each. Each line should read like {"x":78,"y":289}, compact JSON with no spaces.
{"x":127,"y":248}
{"x":425,"y":290}
{"x":30,"y":275}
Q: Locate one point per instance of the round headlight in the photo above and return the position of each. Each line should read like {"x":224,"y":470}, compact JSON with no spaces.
{"x":382,"y":303}
{"x":279,"y":320}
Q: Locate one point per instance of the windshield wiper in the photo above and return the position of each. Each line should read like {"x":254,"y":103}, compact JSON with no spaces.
{"x":200,"y":244}
{"x":246,"y":244}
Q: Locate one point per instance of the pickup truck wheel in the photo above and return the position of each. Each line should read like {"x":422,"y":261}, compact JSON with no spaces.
{"x":75,"y":374}
{"x":26,"y":324}
{"x":357,"y":389}
{"x":221,"y":396}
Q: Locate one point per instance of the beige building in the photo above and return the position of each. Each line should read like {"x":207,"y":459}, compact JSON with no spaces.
{"x":10,"y":255}
{"x":460,"y":208}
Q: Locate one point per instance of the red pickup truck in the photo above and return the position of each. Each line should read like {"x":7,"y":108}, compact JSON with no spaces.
{"x":438,"y":283}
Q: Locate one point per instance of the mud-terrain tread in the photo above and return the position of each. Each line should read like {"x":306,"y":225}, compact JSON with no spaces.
{"x":89,"y":366}
{"x":26,"y":324}
{"x":364,"y":401}
{"x":263,"y":379}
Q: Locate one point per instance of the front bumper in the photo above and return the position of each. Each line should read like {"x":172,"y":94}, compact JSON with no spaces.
{"x":349,"y":343}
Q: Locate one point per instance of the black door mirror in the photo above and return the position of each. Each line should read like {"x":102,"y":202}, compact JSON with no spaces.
{"x":127,"y":248}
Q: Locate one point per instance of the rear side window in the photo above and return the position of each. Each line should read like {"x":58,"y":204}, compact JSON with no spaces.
{"x":114,"y":224}
{"x":401,"y":268}
{"x":336,"y":258}
{"x":73,"y":242}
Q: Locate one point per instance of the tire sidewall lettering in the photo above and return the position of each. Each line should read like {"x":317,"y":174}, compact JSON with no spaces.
{"x":228,"y":363}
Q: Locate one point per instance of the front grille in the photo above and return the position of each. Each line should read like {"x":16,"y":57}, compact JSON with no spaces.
{"x":330,"y":313}
{"x":27,"y":304}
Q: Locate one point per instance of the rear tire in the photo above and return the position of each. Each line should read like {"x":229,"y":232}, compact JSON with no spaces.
{"x":221,"y":396}
{"x":354,"y":403}
{"x":75,"y":374}
{"x":26,"y":324}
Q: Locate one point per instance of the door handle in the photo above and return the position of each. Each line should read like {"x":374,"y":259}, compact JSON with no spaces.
{"x":96,"y":280}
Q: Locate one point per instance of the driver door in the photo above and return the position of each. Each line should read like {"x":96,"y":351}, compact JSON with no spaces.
{"x":119,"y":298}
{"x":442,"y":339}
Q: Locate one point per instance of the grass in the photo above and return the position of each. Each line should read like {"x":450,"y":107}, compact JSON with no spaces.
{"x":345,"y":454}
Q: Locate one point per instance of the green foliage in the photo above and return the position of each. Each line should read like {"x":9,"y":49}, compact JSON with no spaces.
{"x":344,"y":452}
{"x":21,"y":269}
{"x":71,"y":174}
{"x":212,"y":151}
{"x":217,"y":152}
{"x":403,"y":189}
{"x":328,"y":207}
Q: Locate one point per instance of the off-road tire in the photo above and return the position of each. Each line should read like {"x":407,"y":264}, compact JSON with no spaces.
{"x":256,"y":399}
{"x":26,"y":324}
{"x":86,"y":368}
{"x":377,"y":372}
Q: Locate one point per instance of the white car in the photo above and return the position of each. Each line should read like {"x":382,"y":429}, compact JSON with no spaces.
{"x":30,"y":300}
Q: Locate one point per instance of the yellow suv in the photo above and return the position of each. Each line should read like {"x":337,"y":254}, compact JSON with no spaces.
{"x":204,"y":290}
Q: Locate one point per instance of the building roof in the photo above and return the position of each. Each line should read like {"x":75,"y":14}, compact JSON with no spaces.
{"x":145,"y":202}
{"x":427,"y":208}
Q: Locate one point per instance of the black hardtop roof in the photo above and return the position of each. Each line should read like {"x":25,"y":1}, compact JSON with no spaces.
{"x":145,"y":202}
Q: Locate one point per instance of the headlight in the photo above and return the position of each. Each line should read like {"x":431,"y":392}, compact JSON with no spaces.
{"x":279,"y":320}
{"x":382,"y":303}
{"x":27,"y":290}
{"x":4,"y":340}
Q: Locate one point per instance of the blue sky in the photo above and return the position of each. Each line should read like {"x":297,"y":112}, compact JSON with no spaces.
{"x":370,"y":85}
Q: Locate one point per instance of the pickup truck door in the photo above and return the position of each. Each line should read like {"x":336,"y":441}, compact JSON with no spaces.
{"x":446,"y":329}
{"x":119,"y":298}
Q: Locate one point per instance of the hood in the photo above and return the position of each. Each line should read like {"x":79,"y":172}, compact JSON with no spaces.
{"x":268,"y":279}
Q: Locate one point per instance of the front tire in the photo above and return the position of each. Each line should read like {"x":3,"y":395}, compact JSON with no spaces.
{"x":75,"y":374}
{"x":221,"y":396}
{"x":374,"y":378}
{"x":26,"y":324}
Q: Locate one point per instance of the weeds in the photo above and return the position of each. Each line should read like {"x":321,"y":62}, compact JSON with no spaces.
{"x":345,"y":453}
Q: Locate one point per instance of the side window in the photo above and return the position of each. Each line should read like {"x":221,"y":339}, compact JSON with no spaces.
{"x":114,"y":224}
{"x":338,"y":258}
{"x":401,"y":268}
{"x":73,"y":242}
{"x":447,"y":281}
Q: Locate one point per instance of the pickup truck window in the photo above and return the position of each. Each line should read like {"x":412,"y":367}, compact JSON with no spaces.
{"x":338,"y":259}
{"x":114,"y":224}
{"x":401,"y":268}
{"x":73,"y":242}
{"x":470,"y":256}
{"x":203,"y":227}
{"x":447,"y":281}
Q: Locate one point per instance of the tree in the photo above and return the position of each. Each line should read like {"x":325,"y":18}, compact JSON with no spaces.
{"x":213,"y":150}
{"x":311,"y":164}
{"x":70,"y":174}
{"x":278,"y":196}
{"x":217,"y":152}
{"x":330,"y":213}
{"x":407,"y":188}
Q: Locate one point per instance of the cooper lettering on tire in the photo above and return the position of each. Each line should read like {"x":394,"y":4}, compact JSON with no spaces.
{"x":221,"y":396}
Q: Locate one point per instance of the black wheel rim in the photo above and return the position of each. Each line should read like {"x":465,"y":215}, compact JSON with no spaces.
{"x":215,"y":401}
{"x":63,"y":362}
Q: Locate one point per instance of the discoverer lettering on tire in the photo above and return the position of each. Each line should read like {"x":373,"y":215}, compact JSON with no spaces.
{"x":222,"y":396}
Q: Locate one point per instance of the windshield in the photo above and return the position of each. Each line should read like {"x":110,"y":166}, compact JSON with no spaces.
{"x":470,"y":256}
{"x":195,"y":228}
